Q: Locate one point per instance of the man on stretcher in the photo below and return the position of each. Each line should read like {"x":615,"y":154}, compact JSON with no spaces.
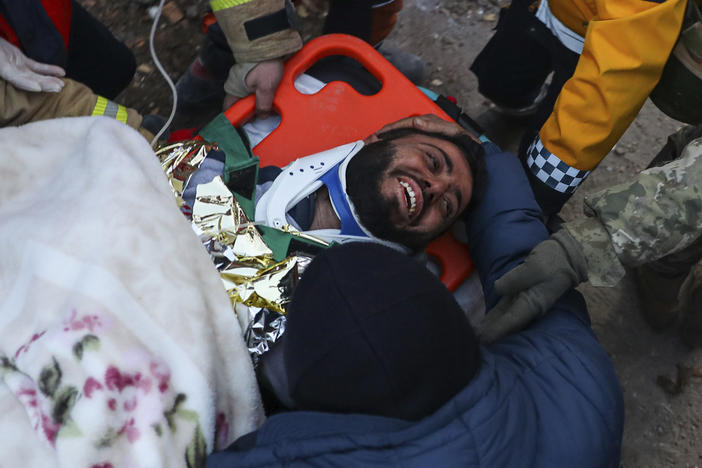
{"x":401,"y":186}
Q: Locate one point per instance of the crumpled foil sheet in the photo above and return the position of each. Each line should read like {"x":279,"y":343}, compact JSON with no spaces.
{"x":265,"y":328}
{"x":260,"y":288}
{"x":179,"y":161}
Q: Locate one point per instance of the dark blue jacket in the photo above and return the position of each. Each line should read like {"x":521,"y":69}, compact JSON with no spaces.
{"x":545,"y":397}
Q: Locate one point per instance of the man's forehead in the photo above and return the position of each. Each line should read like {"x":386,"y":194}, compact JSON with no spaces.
{"x":445,"y":144}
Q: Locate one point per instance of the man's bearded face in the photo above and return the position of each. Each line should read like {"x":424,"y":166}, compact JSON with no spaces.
{"x":410,"y":189}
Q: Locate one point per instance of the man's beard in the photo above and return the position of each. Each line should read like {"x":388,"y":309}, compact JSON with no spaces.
{"x":364,"y":176}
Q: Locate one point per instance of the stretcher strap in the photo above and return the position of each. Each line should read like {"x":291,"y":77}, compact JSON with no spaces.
{"x":283,"y":244}
{"x":241,"y":175}
{"x":240,"y":165}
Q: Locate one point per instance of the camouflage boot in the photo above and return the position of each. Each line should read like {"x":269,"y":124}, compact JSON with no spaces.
{"x":691,"y":307}
{"x":660,"y":282}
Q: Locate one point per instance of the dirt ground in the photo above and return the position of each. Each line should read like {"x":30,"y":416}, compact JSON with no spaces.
{"x":662,"y":421}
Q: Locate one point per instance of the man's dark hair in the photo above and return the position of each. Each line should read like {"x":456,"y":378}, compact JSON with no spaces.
{"x":471,"y":150}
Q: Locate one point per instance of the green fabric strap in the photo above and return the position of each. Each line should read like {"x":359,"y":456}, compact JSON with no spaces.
{"x":240,"y":165}
{"x":241,"y":175}
{"x":284,"y":244}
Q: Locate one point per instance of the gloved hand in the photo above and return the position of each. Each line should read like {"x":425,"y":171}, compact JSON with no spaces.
{"x":27,"y":74}
{"x":529,"y":290}
{"x":260,"y":78}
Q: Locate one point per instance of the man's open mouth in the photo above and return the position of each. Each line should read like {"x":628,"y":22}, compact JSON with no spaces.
{"x":412,"y":198}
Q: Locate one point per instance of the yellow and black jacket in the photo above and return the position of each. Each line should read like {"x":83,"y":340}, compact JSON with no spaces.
{"x":623,"y":47}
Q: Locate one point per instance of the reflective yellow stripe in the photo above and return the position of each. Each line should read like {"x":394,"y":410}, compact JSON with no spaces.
{"x":105,"y":107}
{"x":100,"y":106}
{"x":121,"y":114}
{"x":217,"y":5}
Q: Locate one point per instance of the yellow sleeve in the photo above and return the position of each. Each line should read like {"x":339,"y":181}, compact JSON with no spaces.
{"x":626,"y":46}
{"x":18,"y":107}
{"x":237,"y":18}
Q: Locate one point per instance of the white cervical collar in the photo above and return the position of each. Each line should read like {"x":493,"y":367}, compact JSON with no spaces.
{"x":301,"y":178}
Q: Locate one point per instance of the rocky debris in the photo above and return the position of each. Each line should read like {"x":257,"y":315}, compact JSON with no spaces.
{"x":145,"y":68}
{"x":683,"y":377}
{"x":172,"y":13}
{"x":192,"y":12}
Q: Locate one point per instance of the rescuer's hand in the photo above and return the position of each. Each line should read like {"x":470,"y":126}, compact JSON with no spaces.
{"x":25,"y":73}
{"x":262,"y":79}
{"x":427,"y":123}
{"x":529,"y":290}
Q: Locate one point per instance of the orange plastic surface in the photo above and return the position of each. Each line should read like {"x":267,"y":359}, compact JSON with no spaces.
{"x":337,"y":114}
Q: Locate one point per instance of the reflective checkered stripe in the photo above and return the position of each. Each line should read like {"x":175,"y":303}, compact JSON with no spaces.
{"x":108,"y":108}
{"x":551,"y":170}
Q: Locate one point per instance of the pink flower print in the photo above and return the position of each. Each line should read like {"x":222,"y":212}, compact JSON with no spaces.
{"x":112,"y":404}
{"x":91,"y":322}
{"x":26,"y":391}
{"x":25,"y":347}
{"x":221,"y":431}
{"x":131,"y":404}
{"x":142,"y":383}
{"x":31,"y":395}
{"x":130,"y":431}
{"x":90,"y":385}
{"x":116,"y":380}
{"x":50,"y":428}
{"x":28,"y":397}
{"x":102,"y":465}
{"x":162,"y":373}
{"x":40,"y":420}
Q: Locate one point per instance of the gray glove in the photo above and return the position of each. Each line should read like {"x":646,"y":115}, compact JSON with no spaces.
{"x":529,"y":290}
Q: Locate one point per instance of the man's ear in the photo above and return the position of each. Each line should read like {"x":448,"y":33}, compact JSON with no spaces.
{"x":371,"y":139}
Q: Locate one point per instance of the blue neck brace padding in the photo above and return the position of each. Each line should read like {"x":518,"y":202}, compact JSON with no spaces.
{"x":349,"y":225}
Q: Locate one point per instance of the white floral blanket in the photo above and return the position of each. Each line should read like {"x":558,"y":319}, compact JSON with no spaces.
{"x":118,"y":345}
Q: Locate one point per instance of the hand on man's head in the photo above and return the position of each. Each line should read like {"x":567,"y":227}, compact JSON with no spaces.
{"x":427,"y":123}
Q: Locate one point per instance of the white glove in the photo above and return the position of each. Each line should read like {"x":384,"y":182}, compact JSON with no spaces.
{"x":26,"y":73}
